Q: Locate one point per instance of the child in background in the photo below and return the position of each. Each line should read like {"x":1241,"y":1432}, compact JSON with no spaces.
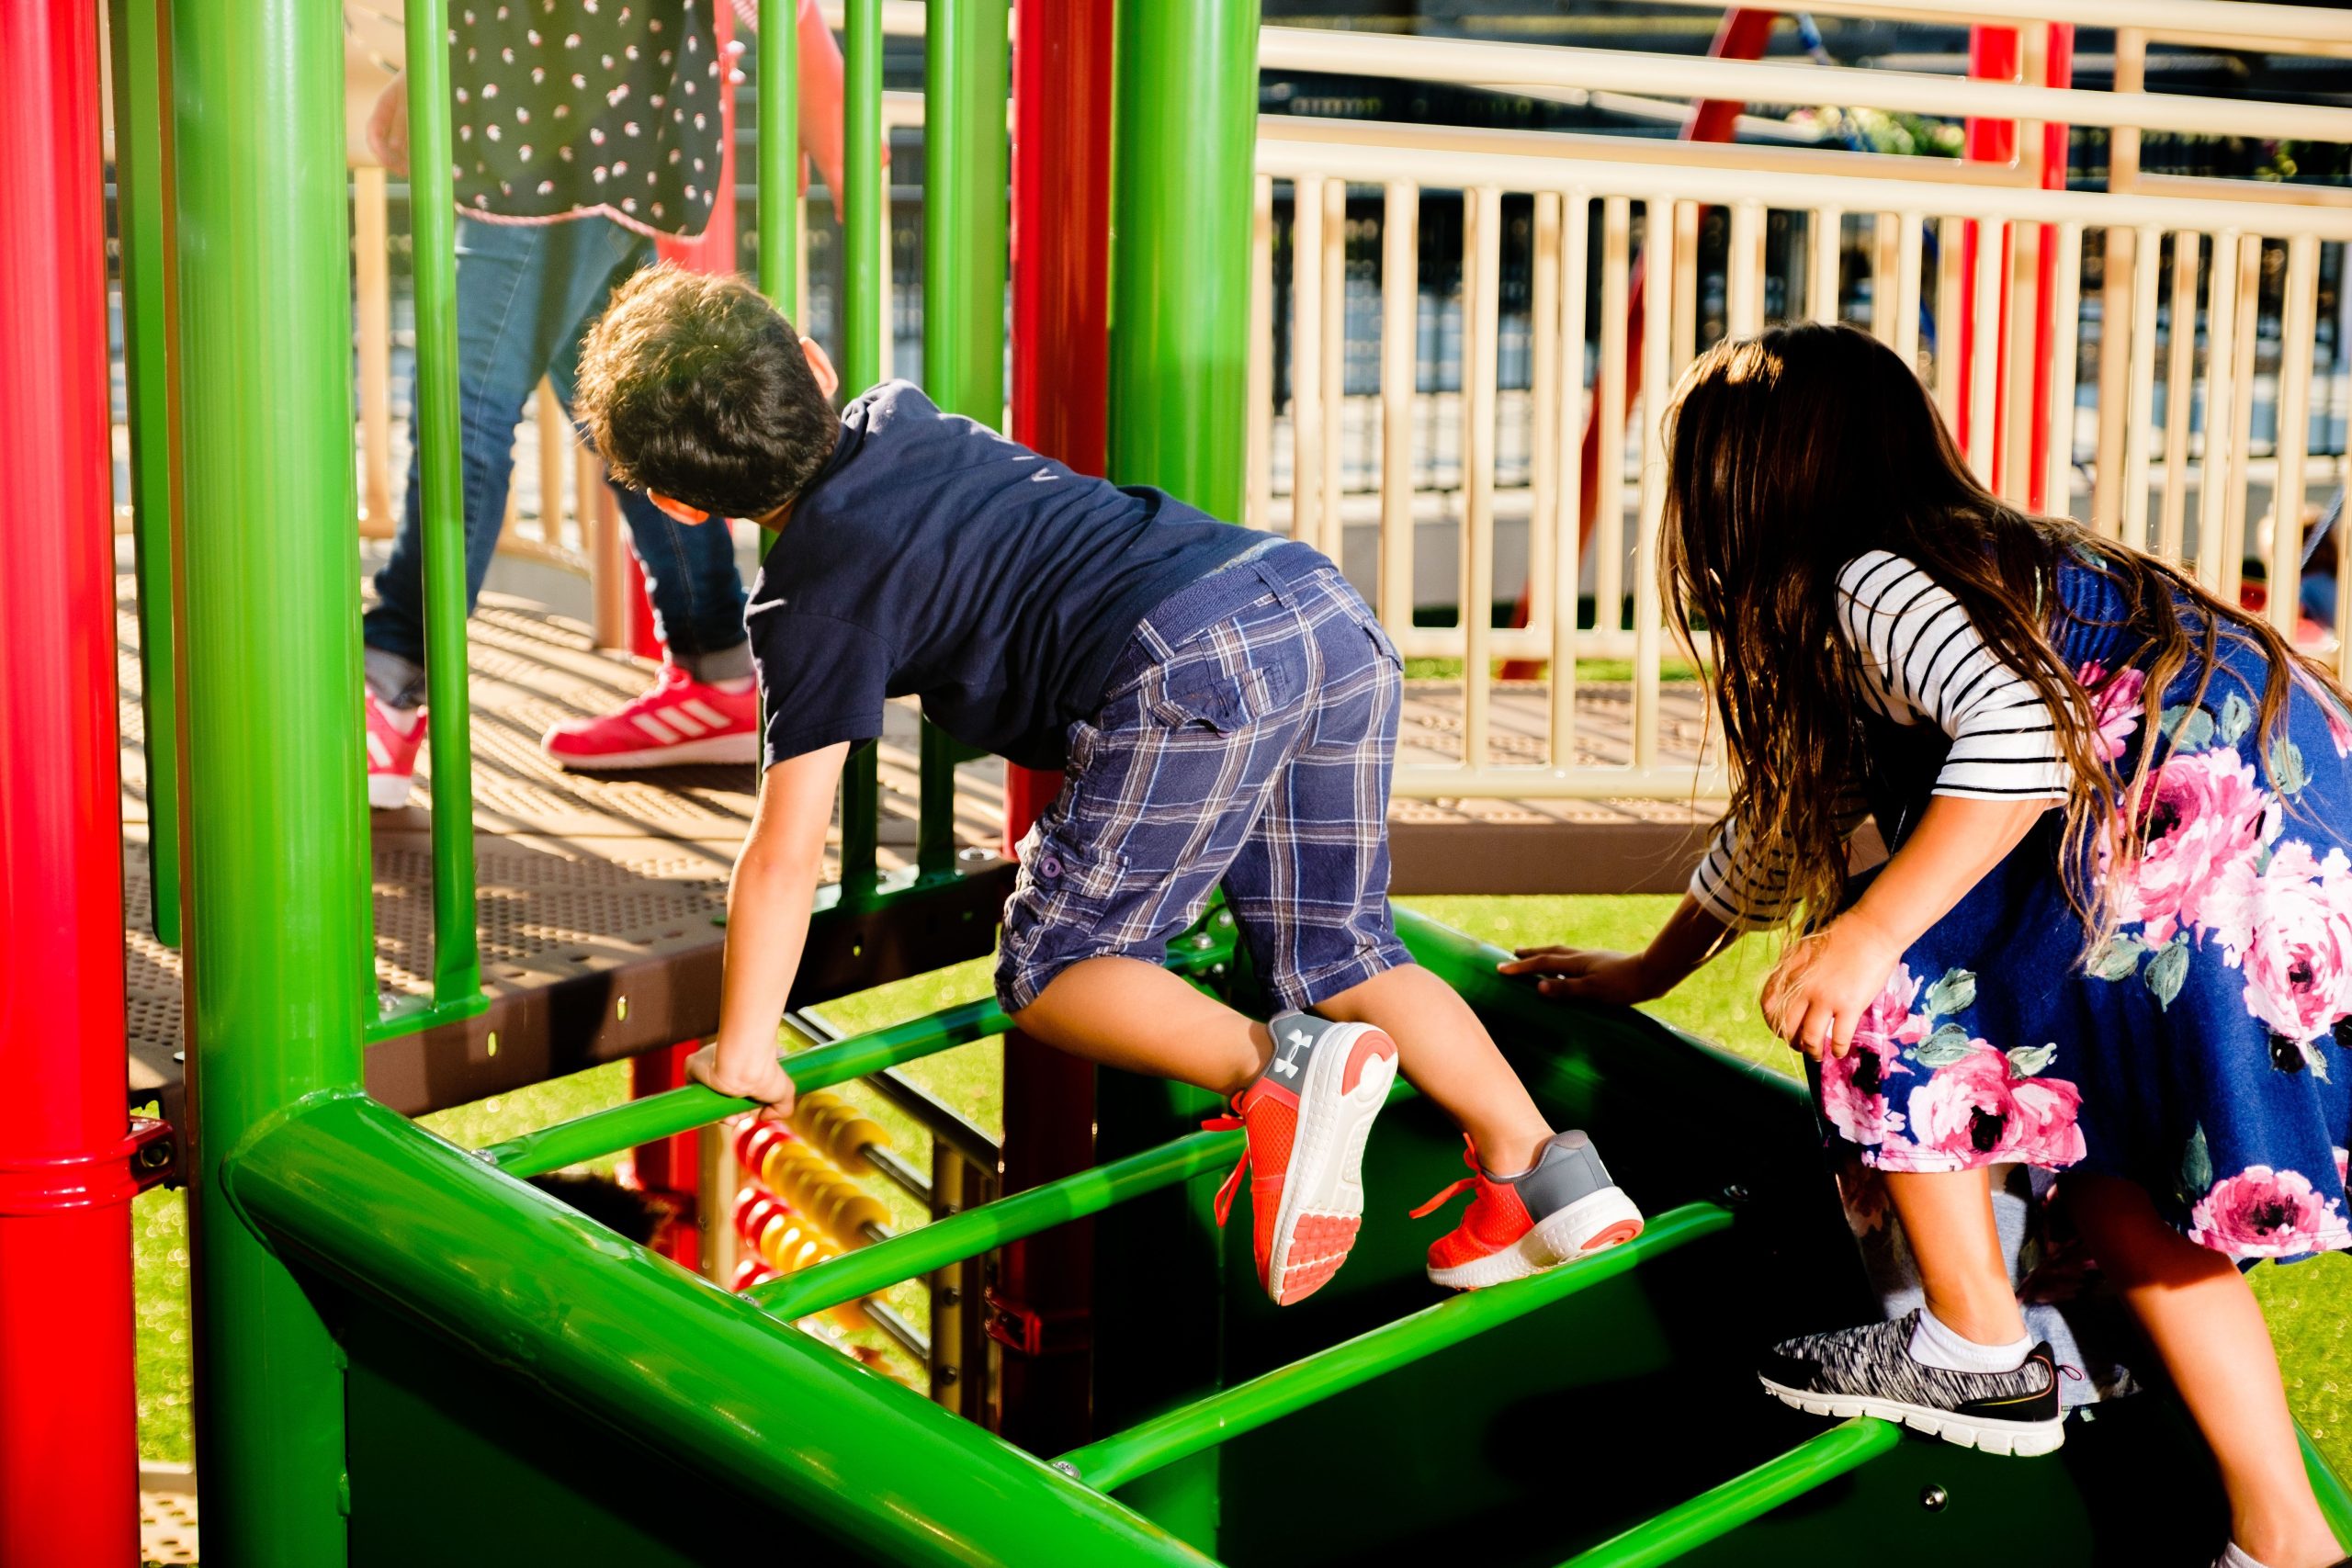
{"x":1225,"y":708}
{"x":2115,"y":932}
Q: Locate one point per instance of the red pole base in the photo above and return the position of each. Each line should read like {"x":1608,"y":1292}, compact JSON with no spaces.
{"x":671,"y":1165}
{"x":68,"y":1462}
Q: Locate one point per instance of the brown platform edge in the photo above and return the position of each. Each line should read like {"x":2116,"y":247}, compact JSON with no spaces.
{"x":1499,"y":858}
{"x":550,"y":1031}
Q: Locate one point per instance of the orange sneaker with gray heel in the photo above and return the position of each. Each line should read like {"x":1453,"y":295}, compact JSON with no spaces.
{"x":1307,"y":1116}
{"x":1559,"y":1209}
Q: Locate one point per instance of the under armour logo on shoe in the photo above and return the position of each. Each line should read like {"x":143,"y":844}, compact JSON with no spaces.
{"x":1287,"y":1062}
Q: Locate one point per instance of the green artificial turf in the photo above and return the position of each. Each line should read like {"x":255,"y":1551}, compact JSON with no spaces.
{"x":2309,"y":1305}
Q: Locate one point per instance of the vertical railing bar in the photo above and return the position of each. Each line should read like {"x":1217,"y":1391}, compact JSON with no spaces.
{"x":1910,"y":245}
{"x":779,"y":156}
{"x":372,"y":291}
{"x":1575,"y":239}
{"x":886,"y":332}
{"x":1306,"y":358}
{"x":1608,"y":527}
{"x":1544,"y":410}
{"x":1685,"y":252}
{"x":1828,"y":241}
{"x":1984,"y":371}
{"x":555,"y":448}
{"x":1655,"y":390}
{"x":2298,"y":327}
{"x":1258,"y":508}
{"x":1949,"y":285}
{"x":1481,"y":320}
{"x":2241,"y":435}
{"x":1335,"y":364}
{"x":1743,"y":290}
{"x":863,"y":205}
{"x":2221,"y":353}
{"x":2180,"y":392}
{"x":2066,"y":317}
{"x":1889,"y":320}
{"x":2140,"y":420}
{"x":1400,"y":263}
{"x":456,"y":961}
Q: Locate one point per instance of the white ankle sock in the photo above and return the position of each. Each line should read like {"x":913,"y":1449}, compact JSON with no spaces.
{"x":734,"y":685}
{"x":1937,"y":1343}
{"x":406,"y":720}
{"x":2236,"y":1556}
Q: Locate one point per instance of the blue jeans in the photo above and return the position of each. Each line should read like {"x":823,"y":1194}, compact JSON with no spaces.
{"x":526,"y":294}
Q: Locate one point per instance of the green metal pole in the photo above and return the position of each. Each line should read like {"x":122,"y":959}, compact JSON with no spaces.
{"x":967,"y":61}
{"x":1718,"y":1511}
{"x":140,"y":184}
{"x":278,"y":952}
{"x":779,"y":153}
{"x":861,"y":211}
{"x":432,"y":224}
{"x":1190,"y":1428}
{"x":980,"y":1230}
{"x":1187,"y":82}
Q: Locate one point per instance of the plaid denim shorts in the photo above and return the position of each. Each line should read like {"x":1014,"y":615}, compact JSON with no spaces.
{"x":1246,"y":736}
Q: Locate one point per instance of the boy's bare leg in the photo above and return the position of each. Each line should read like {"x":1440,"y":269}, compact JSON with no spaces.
{"x":1446,"y":1053}
{"x":1126,"y":1013}
{"x":1948,"y":1218}
{"x":1123,"y":1012}
{"x":2201,"y":1317}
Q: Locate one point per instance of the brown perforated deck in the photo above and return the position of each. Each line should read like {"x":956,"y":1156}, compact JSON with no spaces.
{"x":597,"y":892}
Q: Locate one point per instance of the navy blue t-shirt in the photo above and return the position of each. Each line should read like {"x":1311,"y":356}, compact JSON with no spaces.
{"x":934,"y":557}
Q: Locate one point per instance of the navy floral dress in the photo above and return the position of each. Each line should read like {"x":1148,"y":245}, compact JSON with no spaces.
{"x":2203,"y":1049}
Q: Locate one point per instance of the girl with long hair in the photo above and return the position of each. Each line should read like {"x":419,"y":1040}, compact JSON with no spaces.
{"x":2114,"y":932}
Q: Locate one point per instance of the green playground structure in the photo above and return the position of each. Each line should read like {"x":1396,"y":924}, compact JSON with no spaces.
{"x":407,"y":1353}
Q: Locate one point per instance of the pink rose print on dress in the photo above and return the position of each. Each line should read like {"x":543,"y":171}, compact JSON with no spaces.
{"x":1978,"y":1111}
{"x":2199,"y":816}
{"x":2262,"y":1212}
{"x":2288,"y":926}
{"x":1853,"y":1094}
{"x":2116,"y":709}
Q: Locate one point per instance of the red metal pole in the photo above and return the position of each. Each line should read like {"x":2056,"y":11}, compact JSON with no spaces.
{"x":2059,"y":72}
{"x":672,"y":1166}
{"x":1741,"y":35}
{"x":1061,"y":292}
{"x":1992,"y":57}
{"x":69,"y":1487}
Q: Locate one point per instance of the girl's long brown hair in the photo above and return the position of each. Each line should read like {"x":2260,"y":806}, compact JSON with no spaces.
{"x":1794,"y":452}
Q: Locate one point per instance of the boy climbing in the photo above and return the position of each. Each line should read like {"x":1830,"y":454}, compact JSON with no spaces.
{"x":1222,"y":704}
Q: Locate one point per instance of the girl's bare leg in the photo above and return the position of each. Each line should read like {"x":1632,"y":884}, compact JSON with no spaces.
{"x":2201,"y":1317}
{"x":1948,"y":1218}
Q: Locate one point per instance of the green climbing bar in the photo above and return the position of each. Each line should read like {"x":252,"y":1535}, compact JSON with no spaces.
{"x":683,"y":1110}
{"x":778,"y":157}
{"x":1114,"y":1461}
{"x":456,"y":954}
{"x":1718,"y":1511}
{"x":976,"y":1231}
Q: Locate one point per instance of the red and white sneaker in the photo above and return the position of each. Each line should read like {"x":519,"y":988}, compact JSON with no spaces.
{"x":1307,"y":1116}
{"x":1563,"y":1208}
{"x":392,"y":753}
{"x":679,"y":719}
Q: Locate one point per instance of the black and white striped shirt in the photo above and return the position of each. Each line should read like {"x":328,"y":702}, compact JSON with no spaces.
{"x":1923,"y":662}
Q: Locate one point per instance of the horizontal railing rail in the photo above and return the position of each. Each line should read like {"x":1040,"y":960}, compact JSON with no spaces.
{"x":1114,"y":1461}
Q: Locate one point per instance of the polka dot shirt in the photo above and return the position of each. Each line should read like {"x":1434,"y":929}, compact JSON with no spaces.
{"x":566,"y":106}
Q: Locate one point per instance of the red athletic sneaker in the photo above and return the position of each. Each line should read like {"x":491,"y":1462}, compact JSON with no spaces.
{"x":1308,"y":1117}
{"x":1519,"y":1225}
{"x":679,"y":719}
{"x":391,"y":755}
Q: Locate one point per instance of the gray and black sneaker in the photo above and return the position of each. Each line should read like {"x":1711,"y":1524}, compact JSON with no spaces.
{"x":1870,"y":1372}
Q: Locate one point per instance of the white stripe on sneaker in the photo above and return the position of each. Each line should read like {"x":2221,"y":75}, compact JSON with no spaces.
{"x":655,"y":727}
{"x":379,"y":753}
{"x":684,"y":721}
{"x":704,"y":712}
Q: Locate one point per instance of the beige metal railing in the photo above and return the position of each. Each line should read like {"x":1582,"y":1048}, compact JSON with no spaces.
{"x":1588,"y":209}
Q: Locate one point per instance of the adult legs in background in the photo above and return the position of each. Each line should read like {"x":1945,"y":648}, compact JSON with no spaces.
{"x":2199,"y":1314}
